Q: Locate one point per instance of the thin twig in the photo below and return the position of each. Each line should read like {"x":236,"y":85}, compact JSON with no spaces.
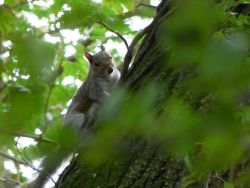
{"x":12,"y":158}
{"x":130,"y":48}
{"x":146,"y":5}
{"x":35,"y":137}
{"x":56,"y":73}
{"x":18,"y":172}
{"x":218,"y":177}
{"x":46,"y":108}
{"x":208,"y":180}
{"x":1,"y":44}
{"x":10,"y":181}
{"x":118,"y":34}
{"x":29,"y":164}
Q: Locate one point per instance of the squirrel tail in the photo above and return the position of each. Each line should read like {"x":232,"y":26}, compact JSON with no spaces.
{"x":50,"y":164}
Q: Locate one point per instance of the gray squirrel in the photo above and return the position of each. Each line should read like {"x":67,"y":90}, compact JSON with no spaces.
{"x":103,"y":76}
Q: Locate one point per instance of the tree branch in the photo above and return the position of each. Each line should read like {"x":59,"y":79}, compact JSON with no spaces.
{"x":12,"y":158}
{"x":30,"y":165}
{"x":208,"y":180}
{"x":162,"y":12}
{"x":129,"y":54}
{"x":10,"y":181}
{"x":38,"y":138}
{"x":58,"y":71}
{"x":146,"y":5}
{"x":118,"y":34}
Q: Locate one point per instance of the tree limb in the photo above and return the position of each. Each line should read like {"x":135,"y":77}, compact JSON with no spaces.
{"x":12,"y":158}
{"x":118,"y":34}
{"x":146,"y":5}
{"x":51,"y":82}
{"x":30,"y":165}
{"x":163,"y":11}
{"x":10,"y":181}
{"x":37,"y":138}
{"x":129,"y":54}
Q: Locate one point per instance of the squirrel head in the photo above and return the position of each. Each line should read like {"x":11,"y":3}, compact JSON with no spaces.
{"x":101,"y":62}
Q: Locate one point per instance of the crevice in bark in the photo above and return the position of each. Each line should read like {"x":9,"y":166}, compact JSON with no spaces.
{"x":161,"y":171}
{"x":143,"y":169}
{"x":134,"y":155}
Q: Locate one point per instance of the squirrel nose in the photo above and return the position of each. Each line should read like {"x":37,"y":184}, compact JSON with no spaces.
{"x":110,"y":70}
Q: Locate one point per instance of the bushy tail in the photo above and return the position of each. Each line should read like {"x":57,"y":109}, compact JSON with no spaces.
{"x":50,"y":164}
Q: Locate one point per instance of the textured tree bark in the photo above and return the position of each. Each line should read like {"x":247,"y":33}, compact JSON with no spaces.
{"x":147,"y":165}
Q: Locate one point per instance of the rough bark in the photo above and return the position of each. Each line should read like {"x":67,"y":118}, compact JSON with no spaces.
{"x":147,"y":165}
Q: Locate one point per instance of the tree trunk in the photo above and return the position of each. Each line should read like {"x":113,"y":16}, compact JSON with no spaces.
{"x":147,"y":165}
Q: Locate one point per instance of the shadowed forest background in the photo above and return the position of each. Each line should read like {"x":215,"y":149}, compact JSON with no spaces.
{"x":179,"y":118}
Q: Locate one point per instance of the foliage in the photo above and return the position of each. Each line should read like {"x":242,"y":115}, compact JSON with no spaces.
{"x":204,"y":122}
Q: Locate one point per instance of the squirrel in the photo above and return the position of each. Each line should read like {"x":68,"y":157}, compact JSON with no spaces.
{"x":103,"y":76}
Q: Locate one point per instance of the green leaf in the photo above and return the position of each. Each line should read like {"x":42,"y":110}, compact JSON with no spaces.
{"x":7,"y":22}
{"x":82,"y":13}
{"x":130,"y":5}
{"x":35,"y":57}
{"x":10,"y":2}
{"x":228,"y":185}
{"x":98,"y":32}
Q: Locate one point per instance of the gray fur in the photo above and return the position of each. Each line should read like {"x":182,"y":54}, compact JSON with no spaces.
{"x":85,"y":104}
{"x":95,"y":89}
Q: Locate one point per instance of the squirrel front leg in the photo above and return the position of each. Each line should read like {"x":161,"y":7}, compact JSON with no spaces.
{"x":75,"y":119}
{"x":93,"y":110}
{"x":80,"y":120}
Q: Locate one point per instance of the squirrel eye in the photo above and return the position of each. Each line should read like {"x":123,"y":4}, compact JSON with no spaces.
{"x":96,"y":64}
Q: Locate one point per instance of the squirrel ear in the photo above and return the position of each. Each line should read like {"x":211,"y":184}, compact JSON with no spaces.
{"x":102,"y":47}
{"x":88,"y":56}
